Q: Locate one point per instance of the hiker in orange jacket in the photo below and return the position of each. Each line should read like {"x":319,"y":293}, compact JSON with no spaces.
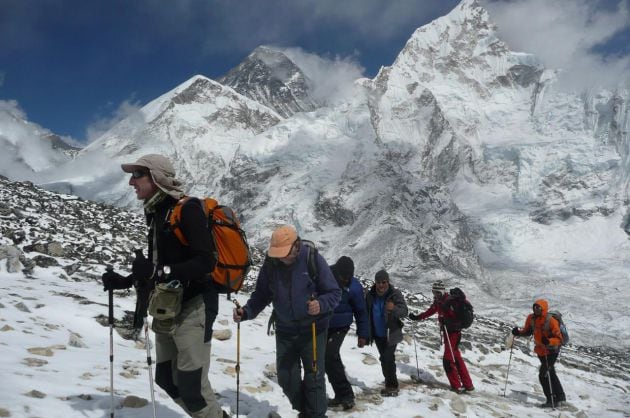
{"x":548,"y":338}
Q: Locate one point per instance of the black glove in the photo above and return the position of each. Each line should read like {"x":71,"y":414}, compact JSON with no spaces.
{"x":515,"y":331}
{"x":545,"y":340}
{"x":142,"y":269}
{"x":414,"y":316}
{"x":112,"y":280}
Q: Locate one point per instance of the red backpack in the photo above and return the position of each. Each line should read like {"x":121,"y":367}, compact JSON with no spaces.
{"x":230,"y":242}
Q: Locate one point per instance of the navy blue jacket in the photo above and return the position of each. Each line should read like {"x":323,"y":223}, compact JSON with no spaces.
{"x":289,"y":288}
{"x":352,"y":304}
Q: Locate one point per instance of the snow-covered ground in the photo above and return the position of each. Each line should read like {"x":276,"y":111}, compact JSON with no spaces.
{"x":55,"y":363}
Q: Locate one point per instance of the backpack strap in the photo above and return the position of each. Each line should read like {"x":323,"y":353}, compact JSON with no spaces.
{"x":311,"y":261}
{"x":174,"y":217}
{"x":546,"y":326}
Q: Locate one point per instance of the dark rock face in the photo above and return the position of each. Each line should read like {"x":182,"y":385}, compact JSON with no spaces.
{"x":331,"y":209}
{"x":269,"y":77}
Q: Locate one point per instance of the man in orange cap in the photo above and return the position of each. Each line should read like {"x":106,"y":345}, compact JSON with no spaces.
{"x":299,"y":301}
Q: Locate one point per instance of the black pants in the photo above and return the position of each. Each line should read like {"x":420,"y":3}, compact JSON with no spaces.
{"x":547,"y":365}
{"x":335,"y":369}
{"x":388,"y":361}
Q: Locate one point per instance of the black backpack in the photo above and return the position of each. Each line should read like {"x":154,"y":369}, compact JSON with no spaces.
{"x":464,"y":311}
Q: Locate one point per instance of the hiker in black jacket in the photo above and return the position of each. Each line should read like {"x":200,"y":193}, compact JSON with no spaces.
{"x":351,"y":306}
{"x":182,"y":343}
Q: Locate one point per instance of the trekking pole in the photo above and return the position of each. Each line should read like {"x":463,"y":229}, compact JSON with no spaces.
{"x":508,"y":369}
{"x":553,"y":406}
{"x":448,"y":341}
{"x":238,"y":357}
{"x":314,"y":365}
{"x":111,"y":346}
{"x":314,"y":335}
{"x":416,"y":350}
{"x":147,"y":343}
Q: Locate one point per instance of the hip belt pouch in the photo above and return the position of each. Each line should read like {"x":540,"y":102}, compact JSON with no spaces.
{"x":165,"y":304}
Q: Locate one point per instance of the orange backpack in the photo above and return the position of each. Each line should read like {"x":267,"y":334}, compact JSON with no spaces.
{"x":230,"y":243}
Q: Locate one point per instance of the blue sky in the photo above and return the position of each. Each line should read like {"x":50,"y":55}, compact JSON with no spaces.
{"x":72,"y":65}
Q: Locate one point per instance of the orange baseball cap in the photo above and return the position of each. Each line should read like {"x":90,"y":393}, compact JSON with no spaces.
{"x":282,"y":240}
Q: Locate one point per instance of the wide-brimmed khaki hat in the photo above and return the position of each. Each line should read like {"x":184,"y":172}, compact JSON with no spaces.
{"x":162,"y":172}
{"x":282,"y":239}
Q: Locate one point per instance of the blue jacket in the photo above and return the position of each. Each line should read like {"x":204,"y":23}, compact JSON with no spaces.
{"x":394,"y":320}
{"x":289,"y":288}
{"x":352,"y":304}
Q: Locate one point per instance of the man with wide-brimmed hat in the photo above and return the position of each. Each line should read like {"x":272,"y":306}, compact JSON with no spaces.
{"x":182,"y":342}
{"x":302,"y":307}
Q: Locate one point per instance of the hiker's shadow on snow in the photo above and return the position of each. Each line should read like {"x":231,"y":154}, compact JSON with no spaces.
{"x":421,"y":376}
{"x":248,"y":405}
{"x":91,"y":402}
{"x":362,"y":385}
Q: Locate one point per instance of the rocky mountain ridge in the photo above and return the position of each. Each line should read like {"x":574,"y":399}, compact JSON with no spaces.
{"x":460,"y":161}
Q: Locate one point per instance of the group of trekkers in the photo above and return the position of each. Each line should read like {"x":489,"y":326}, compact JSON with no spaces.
{"x":314,"y":307}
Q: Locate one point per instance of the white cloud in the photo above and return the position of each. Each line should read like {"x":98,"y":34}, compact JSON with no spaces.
{"x":26,"y":152}
{"x":127,"y":109}
{"x":563,"y":33}
{"x":333,"y":78}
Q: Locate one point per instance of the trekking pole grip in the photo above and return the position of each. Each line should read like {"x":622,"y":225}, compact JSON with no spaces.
{"x":110,"y":269}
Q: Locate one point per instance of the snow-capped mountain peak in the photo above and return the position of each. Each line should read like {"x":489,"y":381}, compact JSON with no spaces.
{"x":459,"y":161}
{"x":268,"y":76}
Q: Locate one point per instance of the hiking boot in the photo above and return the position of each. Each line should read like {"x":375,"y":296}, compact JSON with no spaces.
{"x":334,"y":402}
{"x":391,"y":391}
{"x":470,"y":389}
{"x":348,"y":404}
{"x":546,"y":405}
{"x":459,"y":390}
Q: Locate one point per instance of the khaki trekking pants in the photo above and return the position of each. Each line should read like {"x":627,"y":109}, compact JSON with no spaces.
{"x":183,"y":360}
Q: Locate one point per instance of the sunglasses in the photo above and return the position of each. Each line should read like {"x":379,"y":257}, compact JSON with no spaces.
{"x":136,"y":174}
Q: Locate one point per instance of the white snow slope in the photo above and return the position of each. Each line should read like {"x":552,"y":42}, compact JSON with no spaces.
{"x":55,"y":364}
